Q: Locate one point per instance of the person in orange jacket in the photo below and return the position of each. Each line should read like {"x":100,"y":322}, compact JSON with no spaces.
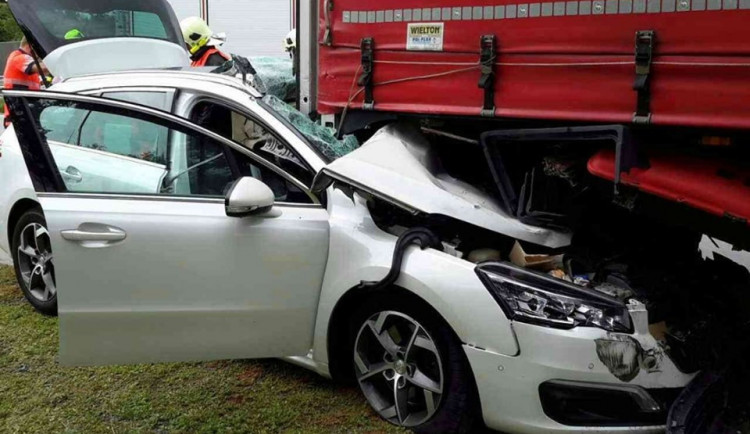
{"x":22,"y":71}
{"x":201,"y":43}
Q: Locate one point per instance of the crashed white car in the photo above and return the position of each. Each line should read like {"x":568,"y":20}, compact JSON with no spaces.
{"x":190,"y":219}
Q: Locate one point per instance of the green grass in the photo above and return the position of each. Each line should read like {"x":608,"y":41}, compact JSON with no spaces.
{"x":37,"y":395}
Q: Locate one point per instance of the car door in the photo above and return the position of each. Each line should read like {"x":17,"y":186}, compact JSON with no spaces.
{"x":166,"y":275}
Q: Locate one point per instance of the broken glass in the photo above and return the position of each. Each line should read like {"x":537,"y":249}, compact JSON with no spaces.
{"x":322,"y":138}
{"x":275,"y":76}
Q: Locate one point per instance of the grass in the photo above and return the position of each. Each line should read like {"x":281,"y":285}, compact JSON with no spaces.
{"x":37,"y":395}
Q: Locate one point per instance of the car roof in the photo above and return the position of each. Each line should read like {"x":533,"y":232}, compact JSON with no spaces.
{"x":224,"y":87}
{"x":180,"y":79}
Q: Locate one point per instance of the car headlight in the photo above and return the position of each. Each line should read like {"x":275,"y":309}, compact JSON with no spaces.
{"x":536,"y":298}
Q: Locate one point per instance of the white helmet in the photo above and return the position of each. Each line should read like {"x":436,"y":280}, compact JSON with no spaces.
{"x":290,"y":41}
{"x":196,"y":32}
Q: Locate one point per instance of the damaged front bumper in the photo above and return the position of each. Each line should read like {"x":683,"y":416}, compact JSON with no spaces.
{"x":582,"y":378}
{"x":565,"y":364}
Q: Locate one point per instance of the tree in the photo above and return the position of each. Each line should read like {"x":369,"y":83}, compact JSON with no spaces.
{"x":9,"y":30}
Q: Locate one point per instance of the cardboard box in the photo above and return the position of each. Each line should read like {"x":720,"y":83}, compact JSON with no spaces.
{"x":519,"y":257}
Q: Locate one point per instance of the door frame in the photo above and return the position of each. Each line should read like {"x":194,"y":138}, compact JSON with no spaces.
{"x":18,"y":101}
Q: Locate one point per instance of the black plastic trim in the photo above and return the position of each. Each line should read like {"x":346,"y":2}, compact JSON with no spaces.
{"x":586,"y":404}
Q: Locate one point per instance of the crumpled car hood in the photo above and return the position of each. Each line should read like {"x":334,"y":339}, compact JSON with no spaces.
{"x":396,"y":164}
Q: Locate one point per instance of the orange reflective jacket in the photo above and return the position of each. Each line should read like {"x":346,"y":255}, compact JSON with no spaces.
{"x":17,"y":74}
{"x":210,"y":52}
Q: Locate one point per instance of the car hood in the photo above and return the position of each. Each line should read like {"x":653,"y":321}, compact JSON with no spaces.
{"x":397,"y":165}
{"x":82,"y":37}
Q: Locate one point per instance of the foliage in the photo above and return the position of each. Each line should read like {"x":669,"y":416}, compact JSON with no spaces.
{"x":9,"y":30}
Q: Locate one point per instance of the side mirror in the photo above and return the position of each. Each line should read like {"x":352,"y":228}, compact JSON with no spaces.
{"x":247,"y":197}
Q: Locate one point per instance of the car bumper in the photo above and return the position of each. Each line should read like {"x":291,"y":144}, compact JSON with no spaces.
{"x":509,"y":386}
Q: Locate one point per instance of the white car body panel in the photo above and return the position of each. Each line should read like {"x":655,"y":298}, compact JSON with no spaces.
{"x":552,"y":354}
{"x":151,"y":298}
{"x":115,"y":54}
{"x":361,"y":251}
{"x":103,"y":171}
{"x":508,"y":390}
{"x":397,"y":166}
{"x":15,"y":183}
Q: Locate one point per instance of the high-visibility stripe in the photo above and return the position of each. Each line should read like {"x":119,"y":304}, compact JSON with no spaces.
{"x":210,"y":52}
{"x":15,"y":72}
{"x":540,"y":10}
{"x":9,"y":83}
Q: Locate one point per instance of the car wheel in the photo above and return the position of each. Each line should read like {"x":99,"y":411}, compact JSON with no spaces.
{"x":411,"y":368}
{"x":33,"y":262}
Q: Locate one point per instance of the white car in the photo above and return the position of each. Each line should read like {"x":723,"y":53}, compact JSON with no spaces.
{"x":192,"y":220}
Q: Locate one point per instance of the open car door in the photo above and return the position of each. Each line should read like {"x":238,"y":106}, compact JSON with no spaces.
{"x":147,"y":264}
{"x":79,"y":37}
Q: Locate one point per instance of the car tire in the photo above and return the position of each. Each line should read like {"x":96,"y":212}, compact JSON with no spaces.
{"x":423,"y":381}
{"x":32,"y":260}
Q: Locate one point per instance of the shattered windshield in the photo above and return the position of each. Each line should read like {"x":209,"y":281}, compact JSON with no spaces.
{"x":275,"y":76}
{"x":321,"y":138}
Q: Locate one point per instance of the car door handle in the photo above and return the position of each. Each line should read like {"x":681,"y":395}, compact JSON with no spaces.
{"x":95,"y":234}
{"x":72,"y":174}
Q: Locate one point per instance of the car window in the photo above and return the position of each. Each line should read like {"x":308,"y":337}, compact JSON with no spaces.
{"x":124,"y":136}
{"x":123,"y":154}
{"x":112,"y":22}
{"x":120,"y":154}
{"x":100,"y":161}
{"x":61,"y":124}
{"x":208,"y":170}
{"x":256,"y":138}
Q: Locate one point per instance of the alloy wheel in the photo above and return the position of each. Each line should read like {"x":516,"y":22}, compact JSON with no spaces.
{"x":35,"y":262}
{"x":397,"y":365}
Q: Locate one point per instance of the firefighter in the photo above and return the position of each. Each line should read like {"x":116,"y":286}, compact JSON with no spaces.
{"x":201,"y":43}
{"x":290,"y":46}
{"x":290,"y":43}
{"x":22,"y":71}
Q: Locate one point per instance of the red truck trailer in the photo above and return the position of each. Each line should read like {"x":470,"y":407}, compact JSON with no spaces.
{"x":623,"y":121}
{"x":666,"y":62}
{"x":683,"y":64}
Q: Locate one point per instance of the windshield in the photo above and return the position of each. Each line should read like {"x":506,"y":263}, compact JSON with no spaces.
{"x":51,"y":24}
{"x":321,"y":138}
